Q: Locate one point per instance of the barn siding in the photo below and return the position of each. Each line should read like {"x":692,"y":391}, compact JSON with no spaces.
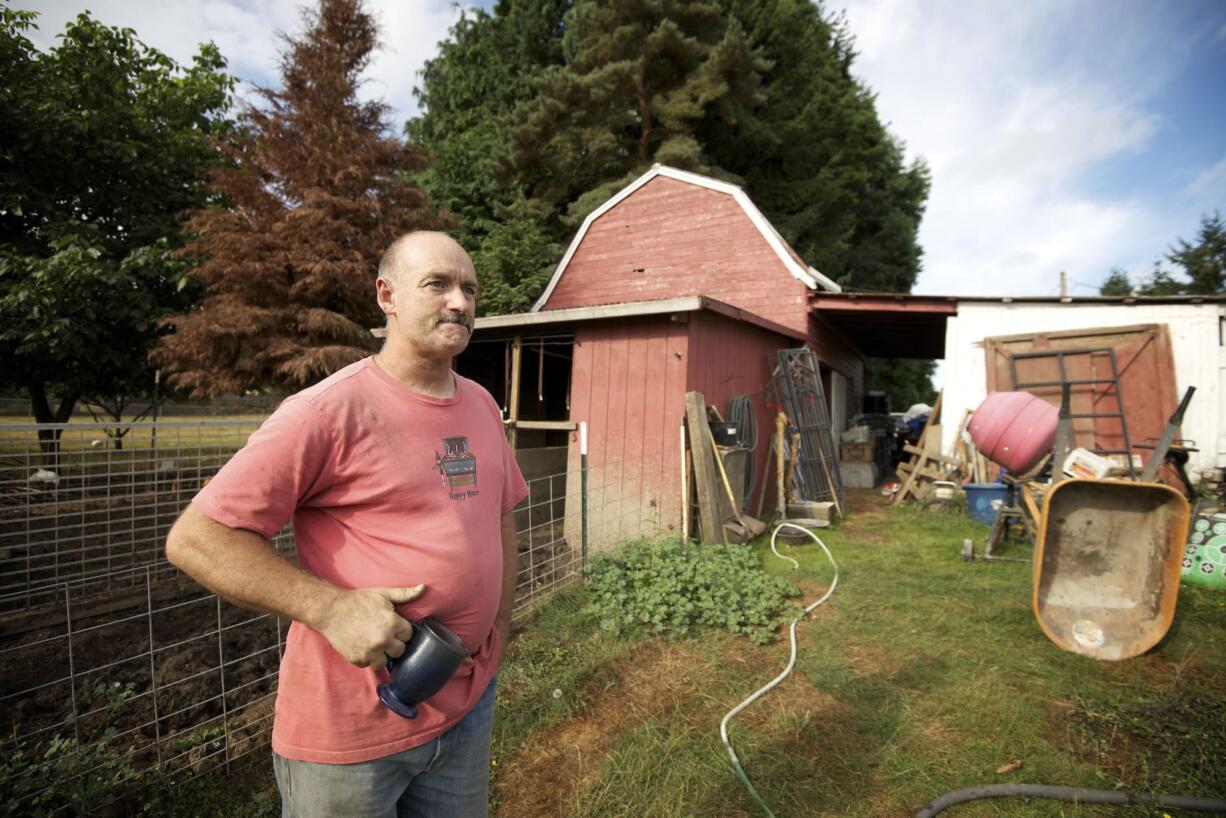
{"x":671,"y":238}
{"x":733,"y":358}
{"x":628,"y":383}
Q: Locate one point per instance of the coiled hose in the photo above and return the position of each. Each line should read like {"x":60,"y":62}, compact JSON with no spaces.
{"x":740,"y":412}
{"x":723,"y":725}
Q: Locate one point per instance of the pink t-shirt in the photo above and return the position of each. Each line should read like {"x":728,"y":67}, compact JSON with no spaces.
{"x":387,"y":488}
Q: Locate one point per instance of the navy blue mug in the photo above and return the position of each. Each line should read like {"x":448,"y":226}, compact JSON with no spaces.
{"x":429,"y":660}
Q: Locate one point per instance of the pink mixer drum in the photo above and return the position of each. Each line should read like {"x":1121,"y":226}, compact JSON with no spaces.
{"x":1014,"y":429}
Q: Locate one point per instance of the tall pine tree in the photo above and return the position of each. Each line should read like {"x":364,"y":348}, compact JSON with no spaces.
{"x":641,"y":82}
{"x":833,"y":180}
{"x":1204,"y":263}
{"x":312,"y":194}
{"x":482,"y":72}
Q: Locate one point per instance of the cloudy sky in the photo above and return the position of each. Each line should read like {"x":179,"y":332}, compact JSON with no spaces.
{"x":1062,"y":134}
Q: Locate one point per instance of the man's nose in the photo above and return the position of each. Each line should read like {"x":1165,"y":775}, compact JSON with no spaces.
{"x":457,"y":299}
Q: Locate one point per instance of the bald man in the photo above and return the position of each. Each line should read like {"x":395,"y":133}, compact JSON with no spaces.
{"x":400,"y":484}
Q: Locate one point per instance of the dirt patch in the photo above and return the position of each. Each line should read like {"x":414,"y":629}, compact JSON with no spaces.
{"x":565,"y":759}
{"x":870,"y":660}
{"x":794,"y":703}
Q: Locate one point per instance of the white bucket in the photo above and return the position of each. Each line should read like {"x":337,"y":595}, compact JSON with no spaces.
{"x":1085,"y":463}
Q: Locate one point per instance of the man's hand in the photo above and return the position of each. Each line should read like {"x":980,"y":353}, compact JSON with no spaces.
{"x":363,"y":626}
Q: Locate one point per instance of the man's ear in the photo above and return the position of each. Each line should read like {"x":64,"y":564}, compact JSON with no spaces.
{"x":385,"y":296}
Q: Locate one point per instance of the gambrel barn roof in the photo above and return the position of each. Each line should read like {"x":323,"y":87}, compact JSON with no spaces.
{"x":674,"y":233}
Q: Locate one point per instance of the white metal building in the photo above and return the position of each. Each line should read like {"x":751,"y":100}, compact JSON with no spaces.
{"x":1196,"y":326}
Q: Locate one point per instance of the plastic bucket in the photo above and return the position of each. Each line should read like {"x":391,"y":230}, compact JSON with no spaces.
{"x":983,"y":500}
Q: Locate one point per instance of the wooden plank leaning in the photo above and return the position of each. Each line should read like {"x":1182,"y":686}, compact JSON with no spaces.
{"x":706,"y":481}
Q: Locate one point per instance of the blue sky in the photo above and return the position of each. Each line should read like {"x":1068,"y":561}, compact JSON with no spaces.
{"x":1062,"y":134}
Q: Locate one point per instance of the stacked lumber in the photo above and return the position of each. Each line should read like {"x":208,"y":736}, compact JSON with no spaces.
{"x":927,"y":465}
{"x":708,"y":490}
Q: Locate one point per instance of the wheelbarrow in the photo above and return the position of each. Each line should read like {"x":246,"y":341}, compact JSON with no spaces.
{"x":1106,"y":566}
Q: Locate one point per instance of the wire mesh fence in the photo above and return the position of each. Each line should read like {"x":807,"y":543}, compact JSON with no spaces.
{"x":113,"y":661}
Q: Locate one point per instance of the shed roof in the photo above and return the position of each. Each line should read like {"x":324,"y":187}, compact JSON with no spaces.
{"x":806,"y":274}
{"x":904,"y":325}
{"x":554,"y":319}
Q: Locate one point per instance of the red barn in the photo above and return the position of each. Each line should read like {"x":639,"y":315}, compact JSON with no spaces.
{"x":677,"y":283}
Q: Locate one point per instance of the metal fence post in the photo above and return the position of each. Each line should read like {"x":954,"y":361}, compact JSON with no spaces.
{"x":583,"y":491}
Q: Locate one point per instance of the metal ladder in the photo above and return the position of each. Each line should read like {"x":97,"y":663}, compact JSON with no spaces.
{"x":1112,"y":385}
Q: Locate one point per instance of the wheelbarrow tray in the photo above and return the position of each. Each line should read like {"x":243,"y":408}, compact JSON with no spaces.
{"x":1106,"y":567}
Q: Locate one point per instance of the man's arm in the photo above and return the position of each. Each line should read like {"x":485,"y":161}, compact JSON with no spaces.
{"x":362,"y":625}
{"x":510,"y":576}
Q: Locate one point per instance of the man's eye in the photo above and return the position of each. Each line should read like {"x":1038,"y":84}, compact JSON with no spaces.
{"x":436,"y":283}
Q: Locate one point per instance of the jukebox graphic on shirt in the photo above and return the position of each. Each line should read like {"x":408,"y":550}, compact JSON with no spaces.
{"x":457,"y":466}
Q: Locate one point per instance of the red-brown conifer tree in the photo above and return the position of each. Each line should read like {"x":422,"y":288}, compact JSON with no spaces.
{"x":313,"y":192}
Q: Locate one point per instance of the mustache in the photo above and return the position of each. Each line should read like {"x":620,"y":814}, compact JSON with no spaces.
{"x":454,"y":318}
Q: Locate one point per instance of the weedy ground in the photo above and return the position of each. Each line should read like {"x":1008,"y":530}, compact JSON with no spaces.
{"x":922,"y":674}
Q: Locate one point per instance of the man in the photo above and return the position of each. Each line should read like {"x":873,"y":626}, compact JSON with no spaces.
{"x":401,"y":485}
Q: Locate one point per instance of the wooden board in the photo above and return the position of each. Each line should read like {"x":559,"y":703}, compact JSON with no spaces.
{"x":706,"y":480}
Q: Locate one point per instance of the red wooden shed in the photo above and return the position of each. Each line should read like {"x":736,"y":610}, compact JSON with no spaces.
{"x":676,"y":283}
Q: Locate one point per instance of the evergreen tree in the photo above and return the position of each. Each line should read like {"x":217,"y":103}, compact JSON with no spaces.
{"x":1204,"y":263}
{"x":833,"y":180}
{"x":313,"y":193}
{"x":1116,"y":284}
{"x":482,"y":72}
{"x":1160,"y":283}
{"x":640,"y":83}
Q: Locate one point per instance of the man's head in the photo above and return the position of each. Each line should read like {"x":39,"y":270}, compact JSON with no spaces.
{"x":427,"y":288}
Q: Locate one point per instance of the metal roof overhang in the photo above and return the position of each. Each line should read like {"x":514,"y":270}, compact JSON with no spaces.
{"x":889,"y":325}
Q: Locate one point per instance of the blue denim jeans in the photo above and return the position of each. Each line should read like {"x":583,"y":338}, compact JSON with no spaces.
{"x":447,"y":777}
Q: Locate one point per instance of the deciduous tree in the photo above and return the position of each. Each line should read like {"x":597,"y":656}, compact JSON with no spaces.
{"x":103,"y":146}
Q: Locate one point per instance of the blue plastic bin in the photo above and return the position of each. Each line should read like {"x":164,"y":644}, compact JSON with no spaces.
{"x":984,"y":499}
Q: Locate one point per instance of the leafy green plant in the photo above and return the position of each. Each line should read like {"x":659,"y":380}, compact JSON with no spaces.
{"x":77,"y":772}
{"x":670,"y":587}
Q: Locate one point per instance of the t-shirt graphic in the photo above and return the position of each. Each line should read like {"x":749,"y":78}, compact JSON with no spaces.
{"x":457,"y":466}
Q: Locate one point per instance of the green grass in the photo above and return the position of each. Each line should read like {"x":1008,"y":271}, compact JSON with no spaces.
{"x":923,"y":674}
{"x":77,"y":442}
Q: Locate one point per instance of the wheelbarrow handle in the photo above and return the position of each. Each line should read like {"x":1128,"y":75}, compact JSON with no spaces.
{"x":1164,"y":444}
{"x":1177,"y":418}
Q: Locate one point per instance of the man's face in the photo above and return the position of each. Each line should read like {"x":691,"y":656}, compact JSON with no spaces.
{"x":432,"y":300}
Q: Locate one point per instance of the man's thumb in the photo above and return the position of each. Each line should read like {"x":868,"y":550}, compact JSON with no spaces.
{"x":399,"y":596}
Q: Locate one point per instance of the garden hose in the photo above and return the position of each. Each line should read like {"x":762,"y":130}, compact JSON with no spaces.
{"x":723,"y":725}
{"x":1075,"y":794}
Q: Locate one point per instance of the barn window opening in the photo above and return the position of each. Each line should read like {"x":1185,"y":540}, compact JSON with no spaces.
{"x":530,"y":377}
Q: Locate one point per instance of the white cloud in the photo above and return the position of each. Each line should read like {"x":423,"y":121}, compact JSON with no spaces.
{"x":1209,"y":179}
{"x":1013,"y":105}
{"x":248,"y":35}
